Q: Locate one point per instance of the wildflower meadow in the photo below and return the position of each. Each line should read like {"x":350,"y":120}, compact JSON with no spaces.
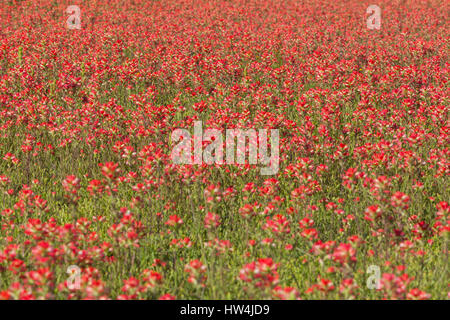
{"x":224,"y":149}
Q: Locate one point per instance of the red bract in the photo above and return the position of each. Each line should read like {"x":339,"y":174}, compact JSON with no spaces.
{"x":279,"y":225}
{"x":95,"y":187}
{"x":174,"y":221}
{"x":287,"y":293}
{"x":211,"y":220}
{"x":167,"y":296}
{"x":400,"y":200}
{"x":196,"y":270}
{"x":128,"y":232}
{"x":110,"y":170}
{"x":344,"y":253}
{"x":91,"y":287}
{"x":71,"y":185}
{"x":416,"y":294}
{"x":260,"y":273}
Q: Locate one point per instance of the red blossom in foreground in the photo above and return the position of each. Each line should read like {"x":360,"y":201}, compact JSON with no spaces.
{"x":211,"y":220}
{"x":286,"y":293}
{"x":196,"y":271}
{"x":416,"y":294}
{"x":174,"y":221}
{"x":71,"y":185}
{"x":260,"y":273}
{"x":278,"y":225}
{"x":167,"y":296}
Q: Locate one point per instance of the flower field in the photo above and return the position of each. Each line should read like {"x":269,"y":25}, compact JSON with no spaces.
{"x":92,"y":206}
